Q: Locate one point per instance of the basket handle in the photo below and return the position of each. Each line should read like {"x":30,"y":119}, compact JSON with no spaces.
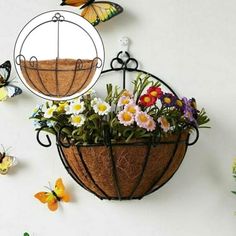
{"x":59,"y":135}
{"x":197,"y":135}
{"x":48,"y":139}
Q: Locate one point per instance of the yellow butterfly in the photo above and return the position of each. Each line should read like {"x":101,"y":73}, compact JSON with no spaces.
{"x":95,"y":12}
{"x":7,"y":90}
{"x":52,"y":198}
{"x":6,"y":162}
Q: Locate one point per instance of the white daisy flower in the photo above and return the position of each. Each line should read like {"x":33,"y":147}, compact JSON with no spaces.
{"x":101,"y":107}
{"x":77,"y":120}
{"x":75,"y":107}
{"x":49,"y":112}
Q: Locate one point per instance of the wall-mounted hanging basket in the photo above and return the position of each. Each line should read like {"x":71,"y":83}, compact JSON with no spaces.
{"x":60,"y":73}
{"x":124,"y":171}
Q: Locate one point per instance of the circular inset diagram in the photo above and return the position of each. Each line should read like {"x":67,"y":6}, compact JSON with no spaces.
{"x":59,"y":55}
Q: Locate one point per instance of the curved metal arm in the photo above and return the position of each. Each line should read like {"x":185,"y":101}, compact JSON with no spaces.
{"x":196,"y":138}
{"x":59,"y":137}
{"x":38,"y":138}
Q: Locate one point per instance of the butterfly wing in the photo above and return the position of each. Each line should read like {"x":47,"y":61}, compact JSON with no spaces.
{"x":90,"y":15}
{"x":74,"y":3}
{"x":6,"y":164}
{"x":49,"y":198}
{"x":101,"y":11}
{"x":9,"y":91}
{"x":5,"y":71}
{"x":13,"y":90}
{"x":60,"y":191}
{"x":3,"y":94}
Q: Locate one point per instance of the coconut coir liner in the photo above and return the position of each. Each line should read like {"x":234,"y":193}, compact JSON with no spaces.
{"x":129,"y":162}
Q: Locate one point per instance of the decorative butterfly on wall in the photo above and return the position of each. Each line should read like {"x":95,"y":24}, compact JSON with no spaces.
{"x":6,"y":162}
{"x":95,"y":12}
{"x":7,"y":90}
{"x":54,"y":196}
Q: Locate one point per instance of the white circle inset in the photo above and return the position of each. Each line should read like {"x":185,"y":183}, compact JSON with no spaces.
{"x":59,"y":55}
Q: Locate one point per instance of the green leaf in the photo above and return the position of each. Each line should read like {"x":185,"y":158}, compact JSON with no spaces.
{"x":94,"y":117}
{"x":129,"y":137}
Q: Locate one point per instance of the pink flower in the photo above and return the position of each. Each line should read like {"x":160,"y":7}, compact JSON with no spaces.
{"x":132,"y":108}
{"x":165,"y":125}
{"x":124,"y":100}
{"x":151,"y":126}
{"x":142,"y":119}
{"x":126,"y":118}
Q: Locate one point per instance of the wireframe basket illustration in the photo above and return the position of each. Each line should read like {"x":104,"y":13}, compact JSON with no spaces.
{"x":57,"y":77}
{"x":60,"y":77}
{"x":121,"y":170}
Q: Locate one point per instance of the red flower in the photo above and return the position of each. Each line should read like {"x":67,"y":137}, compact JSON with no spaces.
{"x":155,"y":92}
{"x":147,"y":100}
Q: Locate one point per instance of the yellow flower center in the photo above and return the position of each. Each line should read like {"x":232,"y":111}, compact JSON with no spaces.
{"x":102,"y":107}
{"x":76,"y":119}
{"x":179,"y":103}
{"x":167,"y":100}
{"x":131,"y":109}
{"x":125,"y":101}
{"x":143,"y":118}
{"x":147,"y":99}
{"x":127,"y":116}
{"x":77,"y":107}
{"x":154,"y":93}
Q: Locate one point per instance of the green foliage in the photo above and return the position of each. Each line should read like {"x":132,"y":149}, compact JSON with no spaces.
{"x":86,"y":124}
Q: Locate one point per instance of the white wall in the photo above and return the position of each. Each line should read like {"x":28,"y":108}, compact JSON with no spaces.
{"x":192,"y":45}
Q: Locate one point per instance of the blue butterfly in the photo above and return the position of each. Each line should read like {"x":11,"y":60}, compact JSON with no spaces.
{"x":7,"y":90}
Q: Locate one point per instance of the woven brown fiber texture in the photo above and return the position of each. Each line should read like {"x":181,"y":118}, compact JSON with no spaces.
{"x":93,"y":165}
{"x":43,"y":79}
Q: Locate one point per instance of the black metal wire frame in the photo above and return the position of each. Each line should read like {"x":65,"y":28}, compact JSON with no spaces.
{"x":34,"y":65}
{"x":125,"y":65}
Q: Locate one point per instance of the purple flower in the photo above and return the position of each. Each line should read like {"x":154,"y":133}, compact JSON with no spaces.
{"x":188,"y":110}
{"x":168,"y":99}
